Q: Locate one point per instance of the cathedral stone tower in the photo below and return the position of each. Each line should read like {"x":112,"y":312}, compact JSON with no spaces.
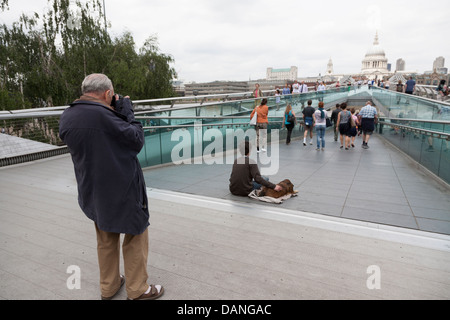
{"x":330,"y":67}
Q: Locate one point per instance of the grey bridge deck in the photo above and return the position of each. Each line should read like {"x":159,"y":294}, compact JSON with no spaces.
{"x":355,"y":209}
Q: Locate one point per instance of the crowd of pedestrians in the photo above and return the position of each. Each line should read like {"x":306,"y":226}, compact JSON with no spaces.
{"x":347,"y":123}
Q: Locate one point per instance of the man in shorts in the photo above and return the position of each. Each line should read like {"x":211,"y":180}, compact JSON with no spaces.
{"x":308,"y":121}
{"x":368,"y":117}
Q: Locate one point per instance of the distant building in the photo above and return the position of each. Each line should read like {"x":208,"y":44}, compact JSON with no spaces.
{"x":265,"y":85}
{"x":439,"y":63}
{"x":178,"y":87}
{"x":215,"y":87}
{"x":282,"y":74}
{"x":400,"y":65}
{"x":375,"y":62}
{"x":330,"y":67}
{"x":432,"y":79}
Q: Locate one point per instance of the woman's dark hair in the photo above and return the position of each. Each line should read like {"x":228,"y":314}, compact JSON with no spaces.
{"x":264,"y":101}
{"x":245,"y":147}
{"x":343,"y":105}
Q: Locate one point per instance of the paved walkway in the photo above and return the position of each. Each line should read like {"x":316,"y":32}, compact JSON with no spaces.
{"x":11,"y":146}
{"x":377,"y":185}
{"x":204,"y":247}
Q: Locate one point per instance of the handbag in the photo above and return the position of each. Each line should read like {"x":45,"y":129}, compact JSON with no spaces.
{"x":291,"y":118}
{"x":254,"y":119}
{"x":328,"y":122}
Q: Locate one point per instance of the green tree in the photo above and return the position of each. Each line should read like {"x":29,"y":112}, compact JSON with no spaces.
{"x":44,"y":66}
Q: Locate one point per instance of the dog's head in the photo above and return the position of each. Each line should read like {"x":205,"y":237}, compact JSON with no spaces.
{"x":287,"y":185}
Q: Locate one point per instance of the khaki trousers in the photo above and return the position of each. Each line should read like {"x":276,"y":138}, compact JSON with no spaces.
{"x":135,"y":254}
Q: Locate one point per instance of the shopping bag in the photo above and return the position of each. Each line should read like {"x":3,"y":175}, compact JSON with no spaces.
{"x":254,"y":119}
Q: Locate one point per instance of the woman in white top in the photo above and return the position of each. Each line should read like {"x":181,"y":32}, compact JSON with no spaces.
{"x":277,"y":99}
{"x":320,"y":90}
{"x":320,"y":122}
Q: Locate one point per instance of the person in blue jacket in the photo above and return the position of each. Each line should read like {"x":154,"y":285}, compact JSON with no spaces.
{"x":104,"y":145}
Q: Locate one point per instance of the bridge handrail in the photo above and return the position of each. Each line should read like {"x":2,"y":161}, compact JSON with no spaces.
{"x":414,"y":96}
{"x":438,"y":134}
{"x":57,"y":110}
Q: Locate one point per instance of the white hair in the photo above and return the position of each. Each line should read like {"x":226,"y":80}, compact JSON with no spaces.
{"x":96,"y":83}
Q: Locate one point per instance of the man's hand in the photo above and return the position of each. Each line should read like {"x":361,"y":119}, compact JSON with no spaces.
{"x":278,"y":188}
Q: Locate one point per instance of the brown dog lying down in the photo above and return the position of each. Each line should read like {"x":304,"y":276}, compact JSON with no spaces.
{"x":286,"y":184}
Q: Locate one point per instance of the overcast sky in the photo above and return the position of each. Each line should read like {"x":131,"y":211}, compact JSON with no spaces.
{"x":237,"y":40}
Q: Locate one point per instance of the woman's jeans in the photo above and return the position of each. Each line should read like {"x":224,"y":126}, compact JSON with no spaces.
{"x":256,"y":185}
{"x":320,"y":133}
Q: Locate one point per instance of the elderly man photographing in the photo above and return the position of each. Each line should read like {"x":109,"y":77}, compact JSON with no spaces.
{"x":104,"y":145}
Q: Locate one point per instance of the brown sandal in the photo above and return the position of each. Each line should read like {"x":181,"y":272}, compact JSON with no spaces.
{"x":152,"y":295}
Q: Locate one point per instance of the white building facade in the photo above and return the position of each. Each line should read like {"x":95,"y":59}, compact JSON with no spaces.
{"x":282,"y":74}
{"x":375,"y":63}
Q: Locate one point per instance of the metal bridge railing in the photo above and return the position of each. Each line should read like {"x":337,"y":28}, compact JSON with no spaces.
{"x":42,"y":124}
{"x":426,"y":142}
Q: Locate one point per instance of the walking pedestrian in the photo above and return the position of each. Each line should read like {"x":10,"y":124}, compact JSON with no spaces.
{"x":441,"y":91}
{"x":344,"y":125}
{"x":410,"y":86}
{"x":303,"y":87}
{"x":289,"y":122}
{"x":353,"y":129}
{"x":368,"y":118}
{"x":400,"y":88}
{"x":320,"y":90}
{"x":308,"y":122}
{"x":277,"y":99}
{"x":286,"y":89}
{"x":296,"y":87}
{"x":261,"y":125}
{"x":320,"y":123}
{"x":257,"y":94}
{"x":334,"y":118}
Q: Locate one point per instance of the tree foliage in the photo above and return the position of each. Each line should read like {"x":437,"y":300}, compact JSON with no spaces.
{"x":44,"y":59}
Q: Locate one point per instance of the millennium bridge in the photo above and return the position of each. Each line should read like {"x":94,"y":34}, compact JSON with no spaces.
{"x":365,"y":224}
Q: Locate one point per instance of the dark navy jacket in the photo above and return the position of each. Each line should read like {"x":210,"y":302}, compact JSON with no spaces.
{"x":104,"y":145}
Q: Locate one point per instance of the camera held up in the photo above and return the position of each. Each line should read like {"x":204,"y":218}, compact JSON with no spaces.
{"x":117,"y":104}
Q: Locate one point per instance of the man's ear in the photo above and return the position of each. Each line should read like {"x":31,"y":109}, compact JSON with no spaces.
{"x":107,"y":96}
